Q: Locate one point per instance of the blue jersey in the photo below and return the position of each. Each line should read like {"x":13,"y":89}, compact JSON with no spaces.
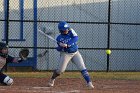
{"x":70,"y":39}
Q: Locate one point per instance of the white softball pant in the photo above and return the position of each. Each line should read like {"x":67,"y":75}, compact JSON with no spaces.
{"x":65,"y":58}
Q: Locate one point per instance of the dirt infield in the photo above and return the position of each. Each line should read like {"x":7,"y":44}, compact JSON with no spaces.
{"x":38,"y":85}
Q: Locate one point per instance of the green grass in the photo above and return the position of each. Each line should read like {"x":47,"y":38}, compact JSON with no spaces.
{"x":94,"y":75}
{"x":117,"y":75}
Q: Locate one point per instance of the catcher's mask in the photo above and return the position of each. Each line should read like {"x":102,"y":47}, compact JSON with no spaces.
{"x":3,"y":45}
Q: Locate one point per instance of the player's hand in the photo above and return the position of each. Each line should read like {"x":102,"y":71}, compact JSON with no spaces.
{"x":63,"y":45}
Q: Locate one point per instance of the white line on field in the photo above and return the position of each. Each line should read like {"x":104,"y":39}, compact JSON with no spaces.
{"x":72,"y":91}
{"x":41,"y":87}
{"x":2,"y":89}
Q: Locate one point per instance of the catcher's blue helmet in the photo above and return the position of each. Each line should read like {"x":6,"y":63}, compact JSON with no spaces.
{"x":62,"y":26}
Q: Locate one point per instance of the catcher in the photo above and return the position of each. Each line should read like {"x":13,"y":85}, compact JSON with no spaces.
{"x":5,"y":59}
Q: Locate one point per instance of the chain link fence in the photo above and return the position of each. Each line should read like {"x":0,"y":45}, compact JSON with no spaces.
{"x":100,"y":25}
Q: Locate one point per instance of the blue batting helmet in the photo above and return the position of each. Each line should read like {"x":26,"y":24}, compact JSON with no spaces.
{"x":62,"y":26}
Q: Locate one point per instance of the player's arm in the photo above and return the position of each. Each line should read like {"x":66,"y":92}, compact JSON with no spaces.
{"x":74,"y":38}
{"x":58,"y":41}
{"x":59,"y":47}
{"x":11,"y":59}
{"x":71,"y":42}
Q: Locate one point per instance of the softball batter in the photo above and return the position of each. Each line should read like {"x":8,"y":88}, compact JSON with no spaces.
{"x":68,"y":49}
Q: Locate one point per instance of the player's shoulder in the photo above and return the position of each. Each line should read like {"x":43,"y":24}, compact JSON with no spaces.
{"x":72,"y":31}
{"x":58,"y":37}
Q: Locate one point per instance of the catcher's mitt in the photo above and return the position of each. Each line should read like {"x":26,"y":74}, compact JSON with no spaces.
{"x":23,"y":54}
